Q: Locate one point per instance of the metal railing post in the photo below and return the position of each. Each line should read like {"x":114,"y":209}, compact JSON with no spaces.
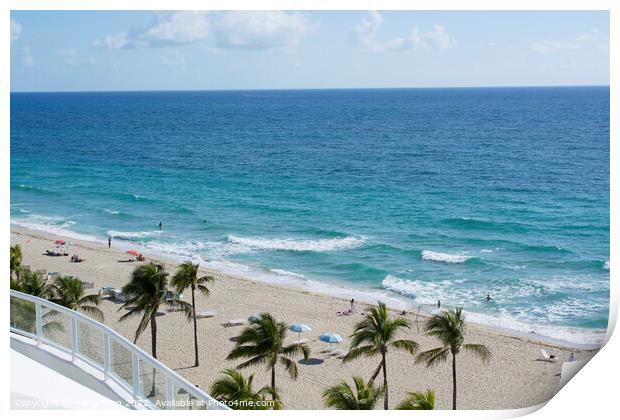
{"x":107,"y":357}
{"x":135,"y":370}
{"x":74,"y":338}
{"x":169,"y":393}
{"x":38,"y":322}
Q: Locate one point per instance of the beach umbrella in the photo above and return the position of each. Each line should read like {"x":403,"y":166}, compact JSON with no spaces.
{"x":299,"y":328}
{"x":133,"y":252}
{"x":255,"y":317}
{"x":59,"y":241}
{"x":330,"y":338}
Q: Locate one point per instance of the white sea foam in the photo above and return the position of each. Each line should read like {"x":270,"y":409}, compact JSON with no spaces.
{"x":111,"y":211}
{"x":427,"y":293}
{"x":606,"y":265}
{"x":133,"y":236}
{"x":288,"y":244}
{"x":55,"y":225}
{"x":442,"y":257}
{"x":531,"y":319}
{"x":286,"y":273}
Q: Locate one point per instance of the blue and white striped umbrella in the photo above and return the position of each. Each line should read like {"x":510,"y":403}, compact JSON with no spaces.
{"x":330,"y":338}
{"x":299,"y":328}
{"x":255,"y":317}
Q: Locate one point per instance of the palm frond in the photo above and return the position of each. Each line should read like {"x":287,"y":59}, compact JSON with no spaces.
{"x":408,"y":345}
{"x":418,"y":401}
{"x":433,"y":356}
{"x":479,"y":350}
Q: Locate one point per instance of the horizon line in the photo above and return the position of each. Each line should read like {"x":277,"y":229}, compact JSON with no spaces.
{"x":308,"y":89}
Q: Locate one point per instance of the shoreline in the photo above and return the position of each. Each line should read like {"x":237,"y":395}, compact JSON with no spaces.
{"x":394,"y":302}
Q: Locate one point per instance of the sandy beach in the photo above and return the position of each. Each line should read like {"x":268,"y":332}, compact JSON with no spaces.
{"x":514,"y":377}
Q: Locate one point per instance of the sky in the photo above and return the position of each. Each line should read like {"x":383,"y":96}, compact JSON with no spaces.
{"x":185,"y":50}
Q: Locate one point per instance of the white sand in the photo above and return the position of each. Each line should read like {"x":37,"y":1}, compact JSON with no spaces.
{"x":514,"y":378}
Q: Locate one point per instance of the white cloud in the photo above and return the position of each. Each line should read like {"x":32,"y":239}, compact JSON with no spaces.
{"x":16,"y":30}
{"x":175,"y":60}
{"x":177,"y":28}
{"x":27,"y":60}
{"x":589,"y":40}
{"x":366,"y":34}
{"x":112,"y":42}
{"x":260,"y":30}
{"x":69,"y":54}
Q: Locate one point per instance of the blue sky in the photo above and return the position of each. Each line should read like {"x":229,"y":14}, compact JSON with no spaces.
{"x":105,"y":50}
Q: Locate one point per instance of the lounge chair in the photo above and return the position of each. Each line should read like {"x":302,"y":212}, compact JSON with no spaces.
{"x":88,"y":285}
{"x":206,"y":314}
{"x":107,"y":291}
{"x":340,"y":353}
{"x":232,"y":322}
{"x":546,"y":356}
{"x":172,"y":297}
{"x":119,"y":295}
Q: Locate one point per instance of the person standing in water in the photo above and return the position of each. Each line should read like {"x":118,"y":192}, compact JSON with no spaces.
{"x":160,"y":225}
{"x":488,"y":297}
{"x":109,"y":241}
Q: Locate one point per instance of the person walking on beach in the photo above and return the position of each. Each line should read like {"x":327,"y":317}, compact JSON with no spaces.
{"x":160,"y":225}
{"x":109,"y":241}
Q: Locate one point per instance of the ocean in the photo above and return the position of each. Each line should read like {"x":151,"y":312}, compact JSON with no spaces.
{"x":401,"y":195}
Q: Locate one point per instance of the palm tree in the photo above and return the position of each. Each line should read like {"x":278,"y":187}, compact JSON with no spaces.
{"x":374,"y":335}
{"x":187,"y":276}
{"x":68,"y":291}
{"x":237,"y":392}
{"x":145,"y":293}
{"x":32,"y":283}
{"x":262,"y":342}
{"x":342,"y":397}
{"x":418,"y":401}
{"x":16,"y":260}
{"x":449,"y":328}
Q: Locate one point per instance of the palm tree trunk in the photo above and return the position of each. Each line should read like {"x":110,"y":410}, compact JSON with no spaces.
{"x":154,"y":335}
{"x":195,"y":328}
{"x":453,"y":381}
{"x":376,"y":373}
{"x":385,"y":382}
{"x":273,"y":377}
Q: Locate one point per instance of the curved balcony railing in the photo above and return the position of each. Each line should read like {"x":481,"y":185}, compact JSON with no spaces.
{"x":150,"y":384}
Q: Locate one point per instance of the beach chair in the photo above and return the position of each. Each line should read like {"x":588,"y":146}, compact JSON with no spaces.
{"x":88,"y":285}
{"x":546,"y":356}
{"x":106,"y":291}
{"x":233,"y":322}
{"x":206,"y":314}
{"x":118,"y":295}
{"x":172,"y":297}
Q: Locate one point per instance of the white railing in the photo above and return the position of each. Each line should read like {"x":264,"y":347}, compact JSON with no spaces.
{"x":149,"y":383}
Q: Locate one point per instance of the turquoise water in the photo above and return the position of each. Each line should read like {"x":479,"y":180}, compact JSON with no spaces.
{"x":407,"y":195}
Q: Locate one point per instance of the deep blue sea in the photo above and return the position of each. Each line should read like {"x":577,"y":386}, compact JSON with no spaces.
{"x":404,"y":195}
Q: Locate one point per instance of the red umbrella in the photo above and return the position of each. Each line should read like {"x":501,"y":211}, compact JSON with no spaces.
{"x":133,"y":252}
{"x":59,"y":242}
